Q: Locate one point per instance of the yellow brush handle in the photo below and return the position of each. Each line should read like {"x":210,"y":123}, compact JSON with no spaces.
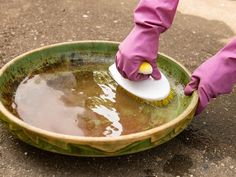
{"x":145,"y":68}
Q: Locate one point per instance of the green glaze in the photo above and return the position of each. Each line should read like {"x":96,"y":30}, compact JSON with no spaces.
{"x":81,"y":53}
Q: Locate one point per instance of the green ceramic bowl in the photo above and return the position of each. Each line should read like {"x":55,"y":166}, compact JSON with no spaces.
{"x":87,"y":146}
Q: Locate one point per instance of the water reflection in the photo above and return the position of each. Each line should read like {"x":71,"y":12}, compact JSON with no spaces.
{"x":84,"y":103}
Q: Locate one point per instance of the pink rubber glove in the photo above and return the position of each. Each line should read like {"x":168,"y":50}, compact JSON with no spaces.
{"x":215,"y":76}
{"x":151,"y":18}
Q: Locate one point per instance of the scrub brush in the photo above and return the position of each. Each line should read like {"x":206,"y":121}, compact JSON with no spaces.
{"x":150,"y":91}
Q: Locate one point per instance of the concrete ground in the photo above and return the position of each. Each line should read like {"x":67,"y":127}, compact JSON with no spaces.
{"x":206,"y":148}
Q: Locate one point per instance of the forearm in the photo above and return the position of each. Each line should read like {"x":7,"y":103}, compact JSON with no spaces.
{"x":226,"y":64}
{"x":156,"y":13}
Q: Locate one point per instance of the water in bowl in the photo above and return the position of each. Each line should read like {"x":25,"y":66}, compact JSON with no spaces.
{"x":87,"y":102}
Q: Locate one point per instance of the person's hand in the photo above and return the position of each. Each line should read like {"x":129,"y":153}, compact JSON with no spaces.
{"x":151,"y":17}
{"x":215,"y":76}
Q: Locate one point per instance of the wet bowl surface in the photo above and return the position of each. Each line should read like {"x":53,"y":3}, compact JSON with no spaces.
{"x":83,"y":53}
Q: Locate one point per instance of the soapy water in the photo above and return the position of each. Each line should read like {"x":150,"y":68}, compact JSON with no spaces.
{"x":88,"y":103}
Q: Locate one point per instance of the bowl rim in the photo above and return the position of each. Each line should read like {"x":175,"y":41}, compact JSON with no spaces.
{"x":74,"y":138}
